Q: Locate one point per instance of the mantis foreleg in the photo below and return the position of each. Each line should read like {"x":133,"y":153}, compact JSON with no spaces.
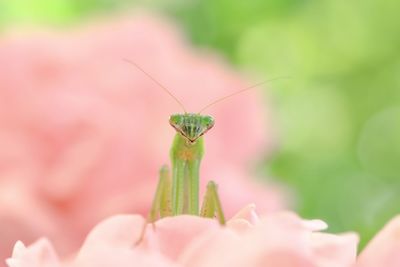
{"x":211,"y":206}
{"x":161,"y":205}
{"x":178,"y":186}
{"x":193,"y":187}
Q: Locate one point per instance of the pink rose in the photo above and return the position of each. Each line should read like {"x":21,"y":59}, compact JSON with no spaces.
{"x":279,"y":240}
{"x":384,"y":248}
{"x":83,"y":134}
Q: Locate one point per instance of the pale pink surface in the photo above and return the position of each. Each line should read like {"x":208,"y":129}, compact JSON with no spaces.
{"x":83,"y":134}
{"x":278,"y":240}
{"x":384,"y":248}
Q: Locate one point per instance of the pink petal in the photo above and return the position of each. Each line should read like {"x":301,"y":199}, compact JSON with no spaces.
{"x":292,"y":220}
{"x":39,"y":254}
{"x":334,"y":250}
{"x":384,"y":248}
{"x":116,"y":231}
{"x":247,"y":213}
{"x":112,"y":243}
{"x":173,"y":234}
{"x":278,"y":240}
{"x":227,"y":248}
{"x":244,"y":219}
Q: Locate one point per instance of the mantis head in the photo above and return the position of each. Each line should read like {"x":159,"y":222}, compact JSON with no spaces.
{"x":191,"y":126}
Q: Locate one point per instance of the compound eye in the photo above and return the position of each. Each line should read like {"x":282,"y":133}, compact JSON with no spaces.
{"x":208,"y":122}
{"x":175,"y":119}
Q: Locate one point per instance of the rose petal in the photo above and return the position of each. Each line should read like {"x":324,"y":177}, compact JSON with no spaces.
{"x":384,"y":248}
{"x":39,"y":254}
{"x":173,"y":234}
{"x":335,"y":250}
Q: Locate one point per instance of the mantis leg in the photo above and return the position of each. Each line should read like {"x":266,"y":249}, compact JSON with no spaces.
{"x":161,"y":205}
{"x":193,"y":187}
{"x":162,"y":199}
{"x":178,"y":186}
{"x":211,"y":206}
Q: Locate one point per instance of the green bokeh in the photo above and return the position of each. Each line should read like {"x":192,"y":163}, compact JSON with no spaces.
{"x":54,"y":12}
{"x":339,"y":115}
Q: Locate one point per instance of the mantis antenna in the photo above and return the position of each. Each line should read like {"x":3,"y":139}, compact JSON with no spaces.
{"x":156,"y":82}
{"x":240,"y":91}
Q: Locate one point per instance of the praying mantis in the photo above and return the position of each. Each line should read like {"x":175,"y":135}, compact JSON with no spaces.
{"x":177,"y":193}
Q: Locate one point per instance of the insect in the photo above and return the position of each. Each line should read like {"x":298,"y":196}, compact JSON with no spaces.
{"x":178,"y":189}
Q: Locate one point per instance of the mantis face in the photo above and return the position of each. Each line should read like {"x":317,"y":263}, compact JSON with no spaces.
{"x":191,"y":126}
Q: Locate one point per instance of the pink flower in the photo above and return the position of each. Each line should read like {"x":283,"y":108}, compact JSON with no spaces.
{"x":384,"y":248}
{"x":83,"y":134}
{"x":279,"y":240}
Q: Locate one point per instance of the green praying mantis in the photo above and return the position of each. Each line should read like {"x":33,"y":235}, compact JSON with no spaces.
{"x":178,"y":193}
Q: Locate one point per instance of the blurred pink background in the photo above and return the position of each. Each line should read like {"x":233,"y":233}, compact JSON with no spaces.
{"x":83,"y":134}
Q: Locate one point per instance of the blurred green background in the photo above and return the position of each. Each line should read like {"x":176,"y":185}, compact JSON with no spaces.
{"x":339,"y":116}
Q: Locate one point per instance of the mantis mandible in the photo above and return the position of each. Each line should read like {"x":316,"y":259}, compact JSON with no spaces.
{"x":180,"y":194}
